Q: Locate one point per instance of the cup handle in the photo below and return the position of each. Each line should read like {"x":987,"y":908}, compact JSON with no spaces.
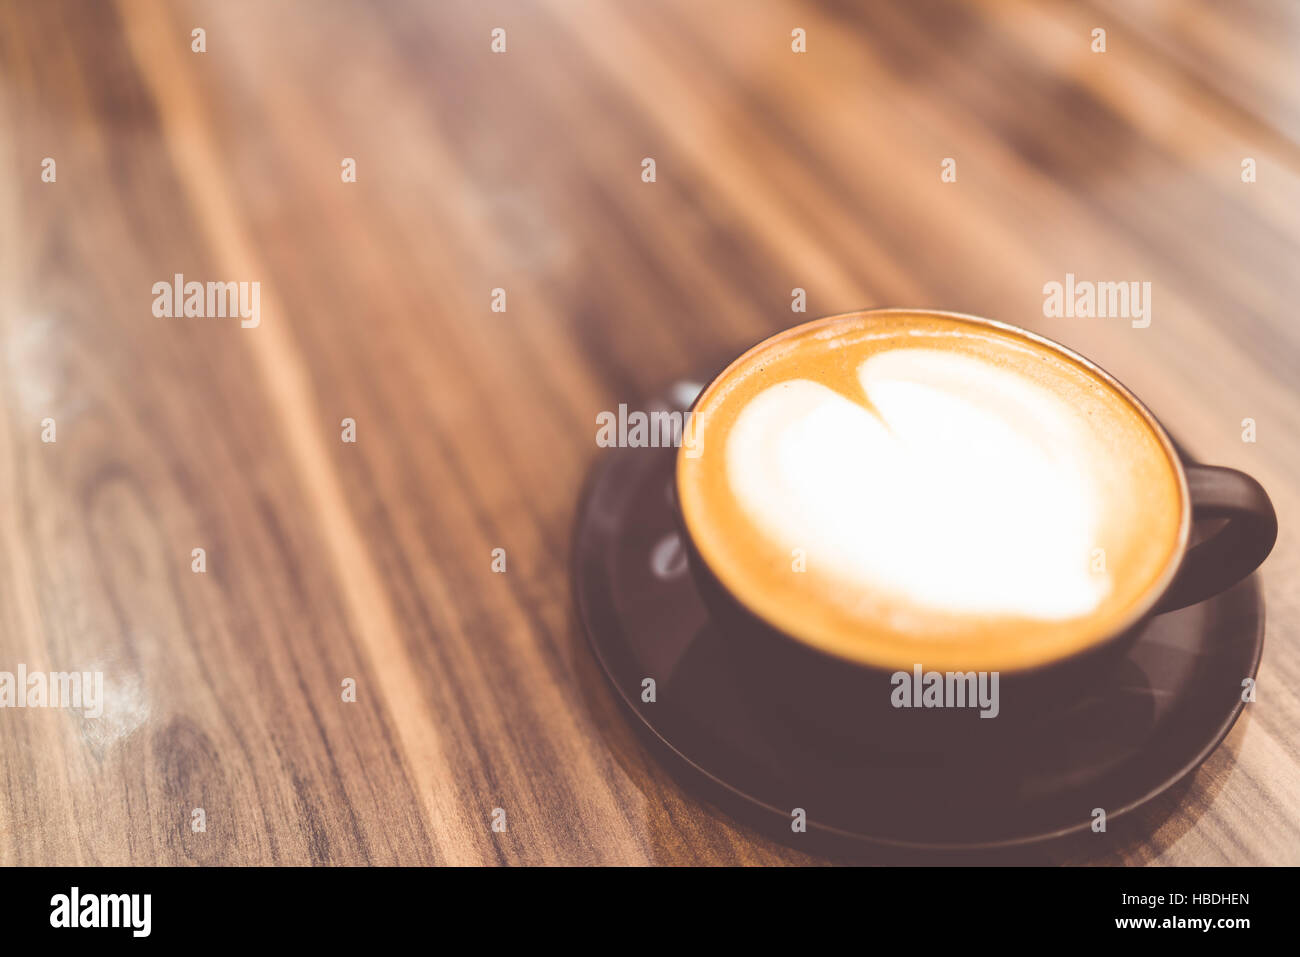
{"x":1233,"y":552}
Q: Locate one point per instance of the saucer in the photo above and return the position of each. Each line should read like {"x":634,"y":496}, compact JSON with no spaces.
{"x":1160,"y":714}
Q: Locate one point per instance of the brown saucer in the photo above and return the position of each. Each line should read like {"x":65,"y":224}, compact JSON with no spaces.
{"x":1164,"y":711}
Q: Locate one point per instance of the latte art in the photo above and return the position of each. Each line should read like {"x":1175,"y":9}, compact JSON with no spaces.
{"x":928,"y":492}
{"x":900,"y":488}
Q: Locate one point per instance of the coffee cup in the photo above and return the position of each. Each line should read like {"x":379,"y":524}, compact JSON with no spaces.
{"x":908,"y":522}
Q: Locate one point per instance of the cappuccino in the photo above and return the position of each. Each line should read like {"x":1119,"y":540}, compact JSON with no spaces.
{"x":897,"y":487}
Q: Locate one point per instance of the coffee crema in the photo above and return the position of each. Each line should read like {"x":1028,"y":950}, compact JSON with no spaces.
{"x":897,"y":487}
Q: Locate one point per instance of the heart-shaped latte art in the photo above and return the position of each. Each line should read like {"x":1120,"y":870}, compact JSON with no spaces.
{"x":957,"y":486}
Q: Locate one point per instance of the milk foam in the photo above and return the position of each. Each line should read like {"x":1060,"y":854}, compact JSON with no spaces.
{"x":964,"y":488}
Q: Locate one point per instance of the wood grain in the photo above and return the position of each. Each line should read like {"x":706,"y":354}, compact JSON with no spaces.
{"x":521,"y":170}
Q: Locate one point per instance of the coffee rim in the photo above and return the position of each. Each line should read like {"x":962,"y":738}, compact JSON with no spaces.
{"x":1139,"y":610}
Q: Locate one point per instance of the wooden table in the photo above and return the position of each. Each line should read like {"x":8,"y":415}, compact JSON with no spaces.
{"x":475,"y":171}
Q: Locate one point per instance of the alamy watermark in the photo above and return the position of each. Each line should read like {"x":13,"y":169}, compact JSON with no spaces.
{"x":78,"y":690}
{"x":1085,"y":299}
{"x":946,"y":689}
{"x":213,"y":300}
{"x":656,"y":428}
{"x":74,"y":909}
